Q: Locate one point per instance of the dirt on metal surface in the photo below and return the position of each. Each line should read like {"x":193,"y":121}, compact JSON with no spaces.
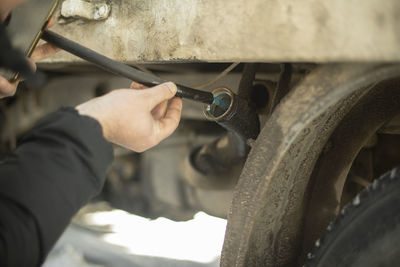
{"x":242,"y":31}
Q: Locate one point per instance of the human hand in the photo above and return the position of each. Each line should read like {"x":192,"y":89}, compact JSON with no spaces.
{"x":158,"y":111}
{"x":136,"y":119}
{"x":41,"y":52}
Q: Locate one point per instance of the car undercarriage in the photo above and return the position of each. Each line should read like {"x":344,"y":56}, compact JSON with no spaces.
{"x":313,"y":117}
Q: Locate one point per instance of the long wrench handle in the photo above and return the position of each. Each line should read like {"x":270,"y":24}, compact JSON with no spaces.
{"x":121,"y":69}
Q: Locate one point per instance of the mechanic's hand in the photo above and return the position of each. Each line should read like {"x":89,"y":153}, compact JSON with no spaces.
{"x":136,"y":119}
{"x":41,"y":52}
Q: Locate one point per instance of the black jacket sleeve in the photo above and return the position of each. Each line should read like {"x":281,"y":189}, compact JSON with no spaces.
{"x":56,"y":169}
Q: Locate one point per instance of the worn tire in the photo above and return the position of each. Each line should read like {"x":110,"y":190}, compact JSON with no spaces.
{"x":367,"y":231}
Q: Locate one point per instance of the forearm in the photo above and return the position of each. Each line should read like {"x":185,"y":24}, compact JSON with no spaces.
{"x":19,"y":236}
{"x":55,"y":170}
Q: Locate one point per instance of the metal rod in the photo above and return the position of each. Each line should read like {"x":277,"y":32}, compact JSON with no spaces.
{"x":121,"y":69}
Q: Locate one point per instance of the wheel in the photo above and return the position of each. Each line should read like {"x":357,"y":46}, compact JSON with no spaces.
{"x":292,"y":183}
{"x":367,"y":231}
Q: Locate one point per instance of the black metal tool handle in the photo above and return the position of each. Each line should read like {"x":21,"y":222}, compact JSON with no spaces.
{"x":121,"y":69}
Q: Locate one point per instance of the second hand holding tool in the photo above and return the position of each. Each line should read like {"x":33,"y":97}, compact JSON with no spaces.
{"x":123,"y":69}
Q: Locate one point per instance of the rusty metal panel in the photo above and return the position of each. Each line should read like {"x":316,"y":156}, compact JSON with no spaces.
{"x":236,"y":30}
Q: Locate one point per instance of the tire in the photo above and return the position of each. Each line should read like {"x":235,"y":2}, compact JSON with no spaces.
{"x":367,"y":231}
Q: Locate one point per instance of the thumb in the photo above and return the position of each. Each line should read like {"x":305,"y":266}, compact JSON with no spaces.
{"x":161,"y":93}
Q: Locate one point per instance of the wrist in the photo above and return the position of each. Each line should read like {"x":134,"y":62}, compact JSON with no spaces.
{"x":87,"y":110}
